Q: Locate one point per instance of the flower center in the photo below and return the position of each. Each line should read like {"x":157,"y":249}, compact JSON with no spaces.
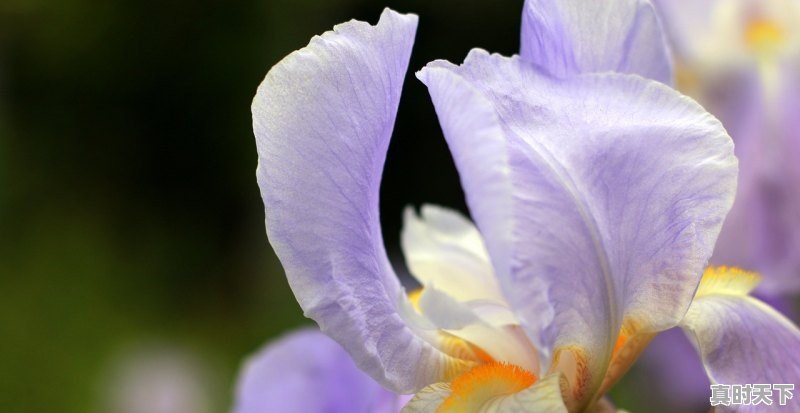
{"x":763,"y":36}
{"x":475,"y":388}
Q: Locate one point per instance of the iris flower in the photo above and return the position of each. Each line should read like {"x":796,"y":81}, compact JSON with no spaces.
{"x":597,"y":194}
{"x":741,"y":60}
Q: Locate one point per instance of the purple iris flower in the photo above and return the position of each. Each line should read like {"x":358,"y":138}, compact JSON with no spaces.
{"x":307,"y":372}
{"x":597,"y":195}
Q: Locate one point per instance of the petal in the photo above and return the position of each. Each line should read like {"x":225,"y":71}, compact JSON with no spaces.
{"x":740,"y":339}
{"x":460,"y":295}
{"x":479,"y":149}
{"x":308,"y":372}
{"x":444,"y":249}
{"x":620,"y":186}
{"x":543,"y":397}
{"x":322,"y":118}
{"x":506,"y":343}
{"x":428,"y":399}
{"x":567,"y":37}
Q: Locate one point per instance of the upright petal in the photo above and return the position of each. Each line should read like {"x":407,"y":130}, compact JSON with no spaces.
{"x":568,"y":37}
{"x":620,"y":186}
{"x":323,"y":118}
{"x":307,"y":372}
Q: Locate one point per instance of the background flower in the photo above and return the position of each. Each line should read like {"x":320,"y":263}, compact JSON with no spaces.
{"x":741,"y":60}
{"x":306,"y":372}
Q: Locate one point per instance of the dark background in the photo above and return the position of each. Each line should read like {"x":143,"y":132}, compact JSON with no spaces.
{"x":129,"y":211}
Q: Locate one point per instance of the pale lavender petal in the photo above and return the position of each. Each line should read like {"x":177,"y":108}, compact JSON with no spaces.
{"x":568,"y":37}
{"x":307,"y":372}
{"x":675,"y":365}
{"x":620,"y":186}
{"x":743,"y":341}
{"x":323,"y":118}
{"x":479,"y":148}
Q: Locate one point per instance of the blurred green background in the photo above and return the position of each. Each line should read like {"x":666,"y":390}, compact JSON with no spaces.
{"x":132,"y":227}
{"x":129,"y":211}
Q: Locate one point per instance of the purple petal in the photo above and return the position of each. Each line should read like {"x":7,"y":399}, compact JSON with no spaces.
{"x":307,"y":372}
{"x":568,"y":37}
{"x":743,"y":341}
{"x":478,"y":146}
{"x":620,"y":186}
{"x":323,"y":118}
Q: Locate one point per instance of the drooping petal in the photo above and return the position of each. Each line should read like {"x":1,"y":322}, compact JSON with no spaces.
{"x":542,"y":397}
{"x":620,"y":186}
{"x":568,"y":37}
{"x":740,"y":339}
{"x":307,"y":372}
{"x":323,"y":118}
